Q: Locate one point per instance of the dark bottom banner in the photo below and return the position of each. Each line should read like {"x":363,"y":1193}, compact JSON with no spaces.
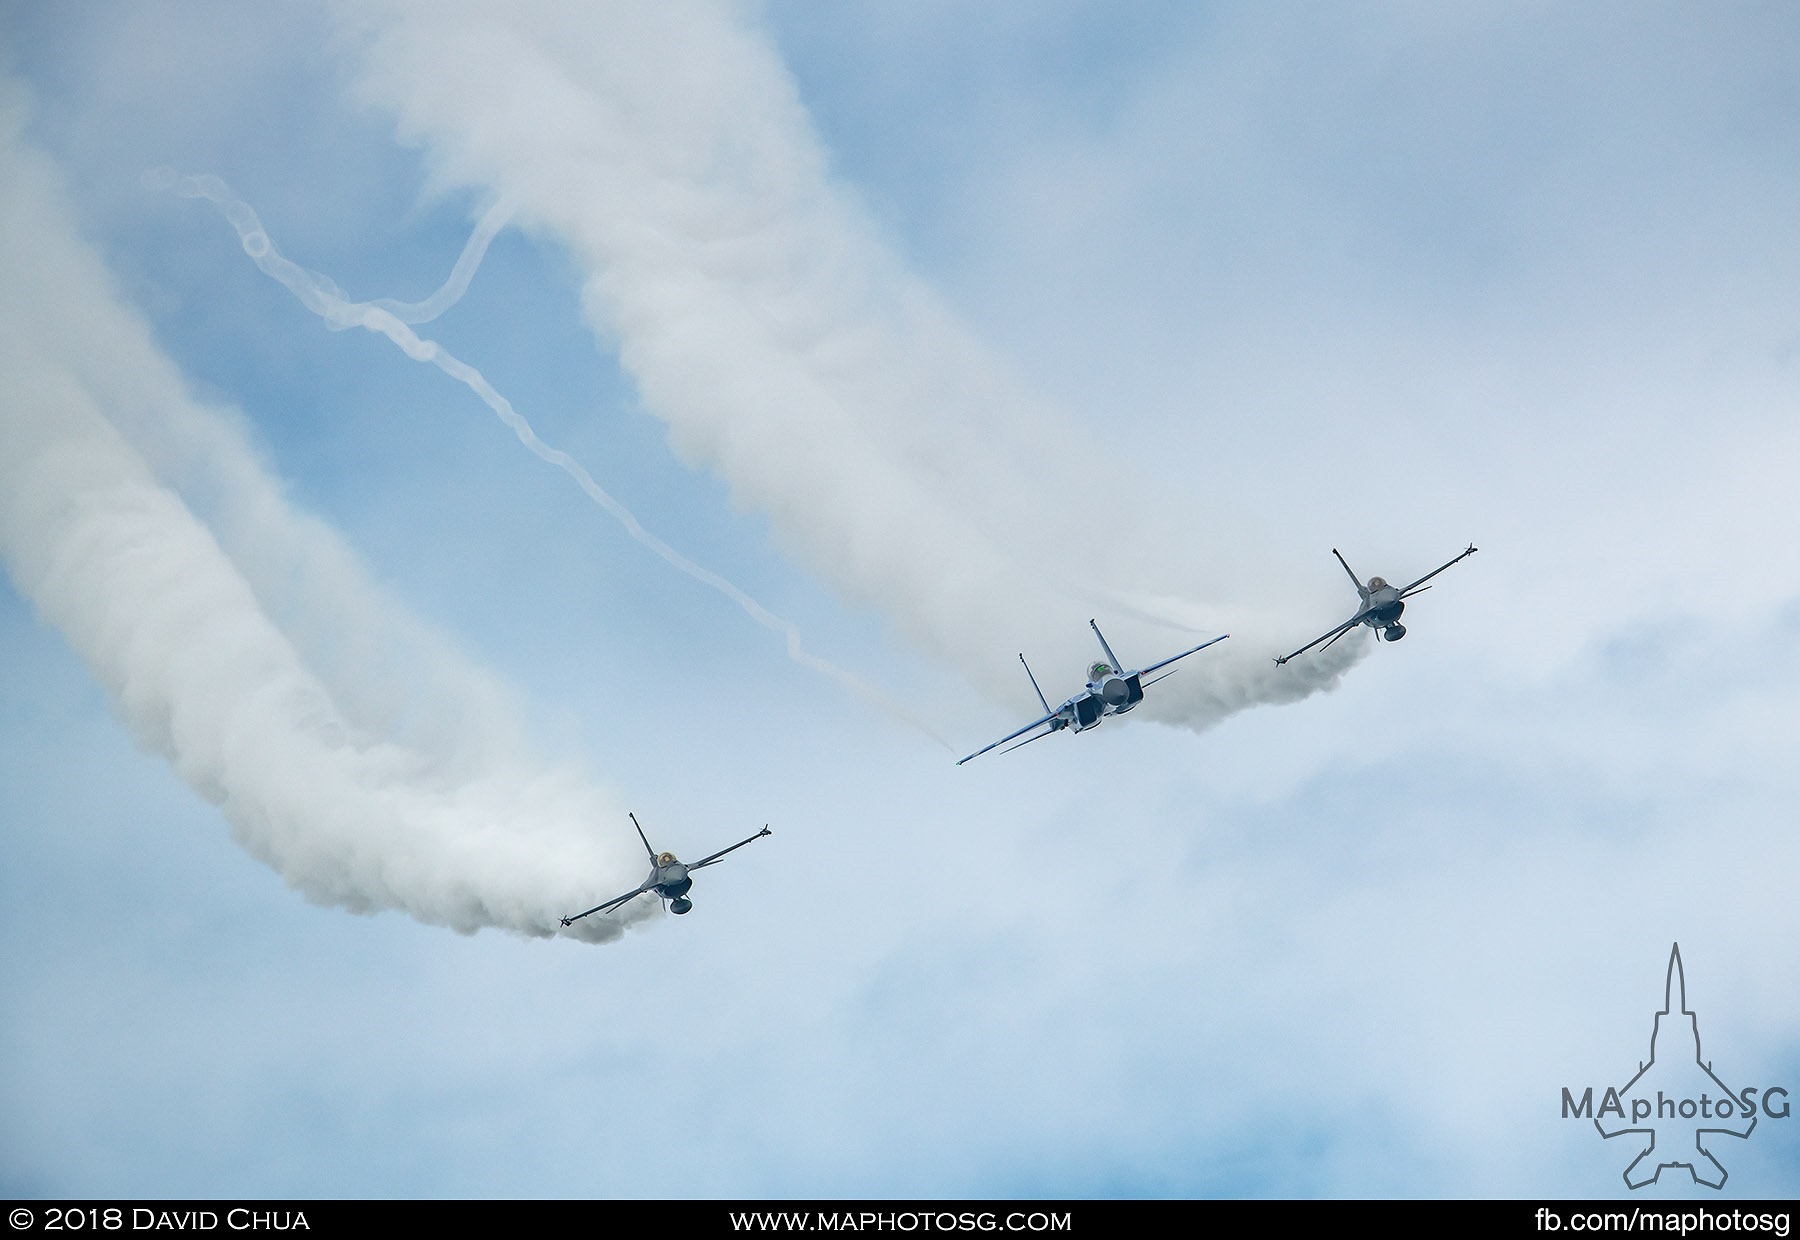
{"x":62,"y":1219}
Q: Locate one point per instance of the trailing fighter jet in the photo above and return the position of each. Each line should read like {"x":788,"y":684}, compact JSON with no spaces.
{"x":669,"y":878}
{"x":1381,"y":606}
{"x":1110,"y":691}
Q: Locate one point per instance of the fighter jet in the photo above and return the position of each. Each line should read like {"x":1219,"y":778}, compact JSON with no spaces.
{"x":669,"y":878}
{"x":1110,"y":691}
{"x":1381,"y":606}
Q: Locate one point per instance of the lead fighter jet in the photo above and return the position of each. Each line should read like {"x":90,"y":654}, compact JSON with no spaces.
{"x":1110,"y":691}
{"x":669,"y":878}
{"x":1381,"y":606}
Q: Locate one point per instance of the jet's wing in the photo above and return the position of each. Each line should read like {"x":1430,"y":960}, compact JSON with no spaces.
{"x":733,"y":848}
{"x":1434,"y":572}
{"x":1332,"y":635}
{"x":1145,"y":671}
{"x":1012,"y":736}
{"x":609,"y":906}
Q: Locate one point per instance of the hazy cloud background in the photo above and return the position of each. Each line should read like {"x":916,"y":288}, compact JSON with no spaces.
{"x":937,"y":332}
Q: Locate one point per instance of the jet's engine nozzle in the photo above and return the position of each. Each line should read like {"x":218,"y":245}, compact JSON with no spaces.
{"x":1394,"y":632}
{"x":680,"y":905}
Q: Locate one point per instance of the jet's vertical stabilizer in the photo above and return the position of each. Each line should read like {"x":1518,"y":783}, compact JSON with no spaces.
{"x":645,"y":838}
{"x":1112,"y":660}
{"x":1034,"y":684}
{"x":1356,"y":581}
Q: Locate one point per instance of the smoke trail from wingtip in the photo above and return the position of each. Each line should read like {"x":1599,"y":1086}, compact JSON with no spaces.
{"x":391,"y":319}
{"x":184,"y":621}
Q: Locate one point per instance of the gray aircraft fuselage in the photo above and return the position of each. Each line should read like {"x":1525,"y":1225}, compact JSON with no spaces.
{"x":1110,"y":690}
{"x":670,"y":878}
{"x":1383,"y":607}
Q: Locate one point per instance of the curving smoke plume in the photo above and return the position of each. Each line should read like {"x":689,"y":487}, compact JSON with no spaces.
{"x":394,"y":321}
{"x":664,"y":145}
{"x":348,"y":747}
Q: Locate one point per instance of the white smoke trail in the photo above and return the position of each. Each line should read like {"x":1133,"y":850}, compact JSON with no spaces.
{"x":387,"y":318}
{"x":443,"y":815}
{"x":467,"y":264}
{"x":664,"y":144}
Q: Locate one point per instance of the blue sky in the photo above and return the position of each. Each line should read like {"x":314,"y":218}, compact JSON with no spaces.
{"x":936,"y":334}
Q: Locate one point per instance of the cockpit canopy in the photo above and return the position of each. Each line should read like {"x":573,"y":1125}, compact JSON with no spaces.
{"x":667,"y":858}
{"x":1100,"y":671}
{"x":1377,"y":583}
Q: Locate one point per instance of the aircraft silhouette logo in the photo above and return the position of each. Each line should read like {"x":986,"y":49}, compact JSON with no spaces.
{"x":1677,"y":1106}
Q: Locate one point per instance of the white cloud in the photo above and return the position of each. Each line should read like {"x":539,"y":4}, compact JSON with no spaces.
{"x":308,"y":760}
